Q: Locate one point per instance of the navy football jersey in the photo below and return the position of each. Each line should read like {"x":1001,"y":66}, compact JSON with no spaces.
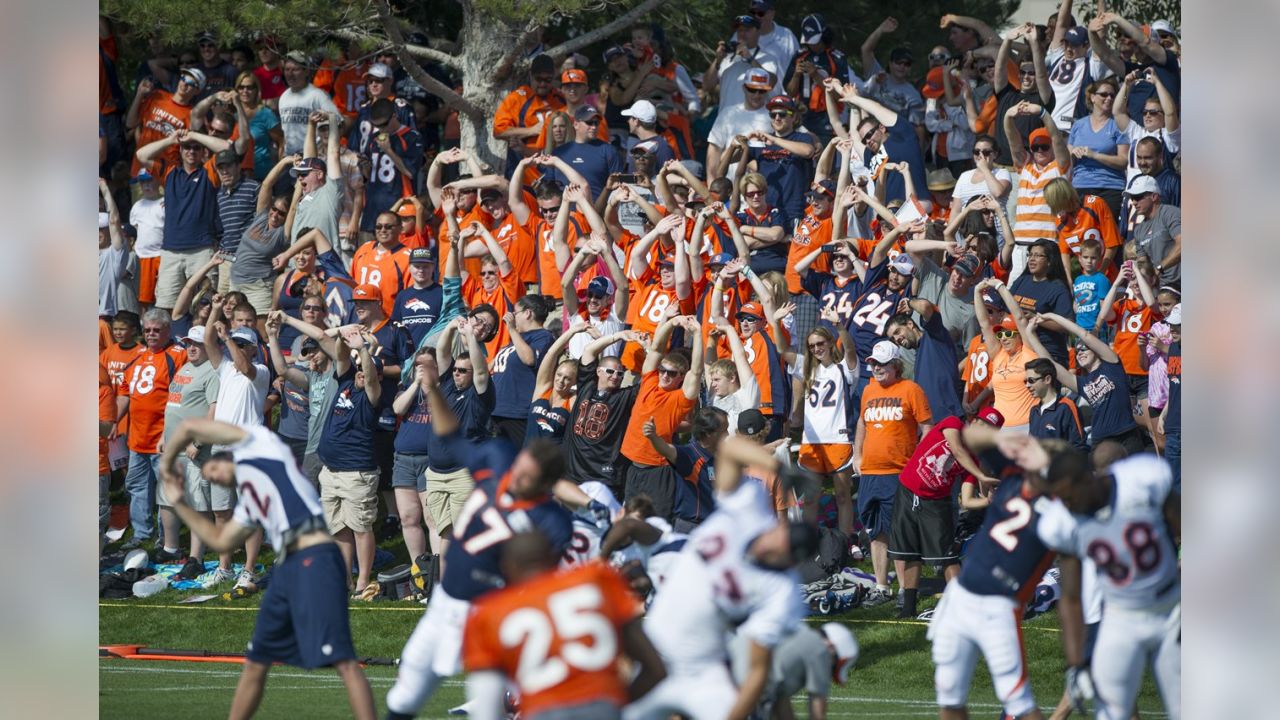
{"x":490,"y":517}
{"x":872,"y":310}
{"x":1006,"y":556}
{"x":513,"y":381}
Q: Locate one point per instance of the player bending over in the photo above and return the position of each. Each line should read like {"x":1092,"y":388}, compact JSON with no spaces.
{"x":303,"y":617}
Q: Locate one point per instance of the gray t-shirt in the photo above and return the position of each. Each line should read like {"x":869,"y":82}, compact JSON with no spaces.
{"x":323,"y":386}
{"x":1154,"y":238}
{"x":295,"y":108}
{"x":320,"y":209}
{"x":192,"y":391}
{"x":958,"y":315}
{"x":801,"y":661}
{"x":258,"y":244}
{"x":111,"y":270}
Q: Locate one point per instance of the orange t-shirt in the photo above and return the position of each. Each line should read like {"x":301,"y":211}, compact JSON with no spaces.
{"x":349,"y":90}
{"x":650,"y":303}
{"x":246,"y":160}
{"x":540,"y":230}
{"x":668,"y":408}
{"x":158,"y":117}
{"x":521,"y":632}
{"x":518,"y":244}
{"x":1131,"y":318}
{"x":522,"y":108}
{"x":1008,"y":382}
{"x":114,"y":360}
{"x":421,"y":237}
{"x":104,"y":335}
{"x":758,"y":356}
{"x":146,"y":384}
{"x":503,"y":298}
{"x":810,"y":233}
{"x":475,"y":214}
{"x":106,"y":413}
{"x":388,"y":269}
{"x":892,"y":416}
{"x":1092,"y":221}
{"x":977,"y":369}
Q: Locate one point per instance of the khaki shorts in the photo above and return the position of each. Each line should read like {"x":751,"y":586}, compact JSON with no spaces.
{"x":446,"y":494}
{"x":258,"y":293}
{"x":202,"y":495}
{"x":175,"y":268}
{"x":349,"y":499}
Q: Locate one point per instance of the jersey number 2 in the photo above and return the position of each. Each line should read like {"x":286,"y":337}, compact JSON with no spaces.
{"x":573,"y":615}
{"x":1005,"y":531}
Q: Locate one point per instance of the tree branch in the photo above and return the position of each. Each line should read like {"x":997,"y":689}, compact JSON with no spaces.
{"x":503,"y":71}
{"x":624,"y":20}
{"x":411,"y":65}
{"x":426,"y":53}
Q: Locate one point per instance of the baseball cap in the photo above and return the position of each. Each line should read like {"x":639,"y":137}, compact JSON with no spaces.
{"x":811,"y":29}
{"x":989,"y":299}
{"x":309,"y":346}
{"x":206,"y":36}
{"x":933,"y":87}
{"x":1008,"y":323}
{"x":667,"y":261}
{"x":143,"y":176}
{"x":306,"y":165}
{"x":195,"y":335}
{"x":1163,"y":26}
{"x":720,"y":259}
{"x":298,"y":56}
{"x":761,"y":5}
{"x":902,"y":264}
{"x":245,"y":335}
{"x":826,"y":187}
{"x":900,"y":53}
{"x":422,"y":256}
{"x":407,"y":210}
{"x":751,"y":308}
{"x":569,"y":77}
{"x":601,"y":285}
{"x":967,"y":265}
{"x":490,"y":194}
{"x":991,"y":416}
{"x":367,"y":291}
{"x":194,"y":76}
{"x":646,"y":147}
{"x":379,"y":70}
{"x":1077,"y":36}
{"x":1175,"y":315}
{"x":781,"y":102}
{"x":1141,"y":185}
{"x":940,"y":179}
{"x":1039,"y":134}
{"x":746,"y":21}
{"x":750,"y":422}
{"x":757,"y":79}
{"x":846,"y":647}
{"x":642,"y":110}
{"x":585,"y":113}
{"x":883,"y":352}
{"x":226,"y":157}
{"x":614,"y":52}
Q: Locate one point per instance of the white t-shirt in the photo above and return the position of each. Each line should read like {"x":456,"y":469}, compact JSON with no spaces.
{"x":737,"y":120}
{"x":607,"y":326}
{"x":295,"y":108}
{"x":746,"y":397}
{"x":240,"y":400}
{"x":147,"y":217}
{"x":972,"y":184}
{"x":1066,"y":77}
{"x":781,"y":44}
{"x":1172,"y":141}
{"x":733,"y":71}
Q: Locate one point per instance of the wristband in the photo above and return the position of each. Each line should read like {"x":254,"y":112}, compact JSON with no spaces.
{"x":748,"y":272}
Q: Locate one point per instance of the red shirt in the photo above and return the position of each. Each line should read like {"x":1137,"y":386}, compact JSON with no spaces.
{"x":932,"y":470}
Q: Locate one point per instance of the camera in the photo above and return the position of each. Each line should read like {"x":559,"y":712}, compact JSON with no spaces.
{"x":731,"y":46}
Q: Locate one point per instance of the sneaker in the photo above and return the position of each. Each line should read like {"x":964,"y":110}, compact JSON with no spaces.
{"x":217,"y":576}
{"x":877,"y":597}
{"x":927,"y":615}
{"x":133,"y":543}
{"x":165,"y":557}
{"x":192,"y":568}
{"x":247,"y":579}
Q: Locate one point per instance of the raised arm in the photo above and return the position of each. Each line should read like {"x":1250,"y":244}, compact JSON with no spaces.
{"x":849,"y":94}
{"x":282,"y":368}
{"x":1100,"y":348}
{"x":479,"y":367}
{"x":658,"y":344}
{"x":546,"y":376}
{"x":989,"y":36}
{"x":1149,"y":45}
{"x":983,"y":318}
{"x":1100,"y":47}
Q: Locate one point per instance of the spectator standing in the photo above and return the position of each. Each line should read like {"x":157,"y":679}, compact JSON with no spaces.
{"x":395,"y":157}
{"x":1158,"y":235}
{"x":1044,"y":158}
{"x":1054,"y":415}
{"x":784,"y":155}
{"x":515,"y":366}
{"x":521,"y":114}
{"x":219,"y":74}
{"x":1159,"y":121}
{"x":147,"y":218}
{"x":805,"y":76}
{"x":1090,"y":287}
{"x":1170,"y":422}
{"x":1043,"y":287}
{"x":270,"y":73}
{"x":264,"y":237}
{"x":112,"y":254}
{"x":1082,"y":216}
{"x":830,"y":377}
{"x":888,"y":137}
{"x":1010,"y":358}
{"x":264,"y":125}
{"x":237,"y":206}
{"x":156,"y":114}
{"x":383,"y":262}
{"x":1033,"y":87}
{"x":892,"y":89}
{"x":300,"y":100}
{"x":1099,"y":149}
{"x":595,"y":160}
{"x":731,"y":65}
{"x":378,"y":85}
{"x":321,"y":181}
{"x":1074,"y":64}
{"x":600,"y":418}
{"x":936,"y":366}
{"x":417,"y":307}
{"x":778,"y":40}
{"x":642,"y":124}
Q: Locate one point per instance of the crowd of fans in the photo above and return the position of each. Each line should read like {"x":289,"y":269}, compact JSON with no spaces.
{"x":828,"y":256}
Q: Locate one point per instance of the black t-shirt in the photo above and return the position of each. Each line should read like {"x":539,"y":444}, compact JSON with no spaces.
{"x":1046,"y":296}
{"x":1007,"y":98}
{"x":1173,"y":413}
{"x":597,"y":423}
{"x":1107,"y":390}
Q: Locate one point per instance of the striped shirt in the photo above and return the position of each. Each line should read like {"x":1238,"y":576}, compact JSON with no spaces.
{"x":236,"y":208}
{"x":1033,"y":219}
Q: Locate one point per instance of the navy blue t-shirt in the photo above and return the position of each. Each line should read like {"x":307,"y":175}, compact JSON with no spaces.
{"x":191,"y":219}
{"x":513,"y":380}
{"x":770,"y":258}
{"x":997,"y":566}
{"x":413,"y":437}
{"x":1107,"y":390}
{"x":417,"y":311}
{"x":788,"y":175}
{"x":489,"y":518}
{"x":473,"y":410}
{"x":346,"y":442}
{"x":695,"y":495}
{"x":1173,"y":415}
{"x":901,"y":145}
{"x":593,"y":160}
{"x":937,"y":368}
{"x":395,"y":348}
{"x":546,"y":421}
{"x":1046,"y":296}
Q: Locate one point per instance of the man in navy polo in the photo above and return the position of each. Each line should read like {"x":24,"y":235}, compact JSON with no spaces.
{"x":786,"y":158}
{"x":937,"y":368}
{"x":594,"y":159}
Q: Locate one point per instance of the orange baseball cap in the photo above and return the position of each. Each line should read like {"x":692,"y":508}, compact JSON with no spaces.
{"x":1038,"y":134}
{"x":752,"y":308}
{"x":367,"y":291}
{"x":1008,"y":323}
{"x":933,"y":83}
{"x":568,"y":77}
{"x":407,"y":210}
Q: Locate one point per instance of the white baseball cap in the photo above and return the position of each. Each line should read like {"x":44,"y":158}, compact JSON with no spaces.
{"x":1175,"y":315}
{"x":846,"y":647}
{"x":1141,"y":185}
{"x":884,"y":351}
{"x":1163,"y":26}
{"x":195,"y":335}
{"x":642,"y":110}
{"x":902,"y":263}
{"x":104,"y":219}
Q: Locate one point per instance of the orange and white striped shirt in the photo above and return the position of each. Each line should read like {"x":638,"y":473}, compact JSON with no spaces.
{"x":1033,"y":219}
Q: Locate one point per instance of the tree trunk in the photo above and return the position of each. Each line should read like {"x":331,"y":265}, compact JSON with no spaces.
{"x":487,"y":41}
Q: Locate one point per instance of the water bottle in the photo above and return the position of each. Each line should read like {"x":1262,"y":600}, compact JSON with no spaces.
{"x":149,"y":586}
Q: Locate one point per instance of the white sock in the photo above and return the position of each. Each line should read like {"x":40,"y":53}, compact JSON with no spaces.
{"x":170,"y":549}
{"x":884,"y":588}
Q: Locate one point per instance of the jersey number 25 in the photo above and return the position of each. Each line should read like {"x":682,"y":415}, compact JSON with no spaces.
{"x":573,"y":615}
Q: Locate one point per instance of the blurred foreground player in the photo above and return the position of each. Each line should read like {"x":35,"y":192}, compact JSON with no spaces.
{"x":558,"y":636}
{"x":303,"y":617}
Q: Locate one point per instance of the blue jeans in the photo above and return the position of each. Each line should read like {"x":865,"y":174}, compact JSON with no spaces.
{"x":104,"y":507}
{"x":140,"y":481}
{"x":1173,"y":454}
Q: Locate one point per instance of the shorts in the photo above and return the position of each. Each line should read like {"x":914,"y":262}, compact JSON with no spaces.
{"x":875,"y":503}
{"x":303,"y":618}
{"x":148,"y":273}
{"x":1138,"y":387}
{"x":446,"y":494}
{"x":1133,"y":440}
{"x":349,"y":499}
{"x":258,"y":292}
{"x":311,"y":466}
{"x":202,"y":495}
{"x":176,"y":267}
{"x":825,"y":458}
{"x":699,"y":693}
{"x":656,"y":481}
{"x":409,"y":471}
{"x":922,"y":529}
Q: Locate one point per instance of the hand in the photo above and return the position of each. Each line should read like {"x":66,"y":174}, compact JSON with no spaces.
{"x":669,"y":223}
{"x":279,"y":262}
{"x":448,"y":201}
{"x":887,"y":25}
{"x":595,"y":247}
{"x":1080,"y":687}
{"x":721,"y":324}
{"x":191,"y":453}
{"x":1034,"y":322}
{"x":995,"y":283}
{"x":146,"y":86}
{"x":1143,"y":340}
{"x":758,"y":136}
{"x":983,"y":161}
{"x":220,"y":329}
{"x":470,"y":231}
{"x":600,"y":515}
{"x":575,"y":194}
{"x":833,"y":84}
{"x":316,"y":117}
{"x":830,"y":315}
{"x":274,"y":321}
{"x":384,"y":141}
{"x":1078,"y":151}
{"x":1160,"y":424}
{"x":1098,"y":25}
{"x":451,"y":156}
{"x":465,"y":327}
{"x":732,"y":268}
{"x":904,"y":306}
{"x":650,"y":428}
{"x":180,"y":135}
{"x":721,"y":50}
{"x":174,"y":487}
{"x":783,"y":311}
{"x":350,"y":334}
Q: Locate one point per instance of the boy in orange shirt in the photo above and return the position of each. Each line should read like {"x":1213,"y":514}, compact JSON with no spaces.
{"x":893,"y":417}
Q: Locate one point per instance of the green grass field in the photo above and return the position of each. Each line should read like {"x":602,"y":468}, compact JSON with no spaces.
{"x":893,"y":677}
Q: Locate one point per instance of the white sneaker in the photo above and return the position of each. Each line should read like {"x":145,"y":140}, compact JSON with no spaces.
{"x":247,"y":579}
{"x":215,"y":577}
{"x":877,"y":597}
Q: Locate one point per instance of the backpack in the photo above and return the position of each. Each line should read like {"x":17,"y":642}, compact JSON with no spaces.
{"x":119,"y":585}
{"x":833,"y":554}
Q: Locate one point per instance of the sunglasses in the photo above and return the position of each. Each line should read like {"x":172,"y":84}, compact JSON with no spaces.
{"x":780,"y":115}
{"x":461,"y":371}
{"x":985,"y":153}
{"x":753,"y":193}
{"x":378,"y":80}
{"x":487,"y":273}
{"x":1032,"y":380}
{"x":550,"y":210}
{"x":1105,"y":94}
{"x":756,"y":91}
{"x":867,"y":136}
{"x":1153,"y":112}
{"x":313,"y":308}
{"x":906,"y":62}
{"x":247,"y":87}
{"x":385,"y":226}
{"x":748,"y":319}
{"x":593,"y":123}
{"x":1005,"y":334}
{"x":613,"y":371}
{"x":1040,"y":147}
{"x":596,"y":296}
{"x":816,"y":345}
{"x":151,"y":331}
{"x":668,"y":372}
{"x":939,"y":56}
{"x":1027,"y":73}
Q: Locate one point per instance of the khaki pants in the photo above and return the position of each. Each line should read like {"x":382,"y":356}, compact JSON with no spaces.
{"x":176,"y":267}
{"x":446,"y":494}
{"x":349,"y":499}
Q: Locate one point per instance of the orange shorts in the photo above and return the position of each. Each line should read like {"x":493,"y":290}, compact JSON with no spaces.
{"x":825,"y":458}
{"x":148,"y":271}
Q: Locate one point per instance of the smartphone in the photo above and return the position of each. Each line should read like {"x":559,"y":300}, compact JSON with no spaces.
{"x":828,"y":249}
{"x":629,"y":178}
